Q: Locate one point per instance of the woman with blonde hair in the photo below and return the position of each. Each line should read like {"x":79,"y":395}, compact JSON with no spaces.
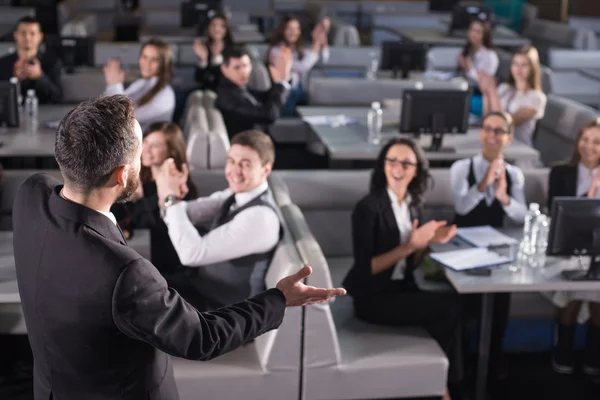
{"x":152,"y":94}
{"x":521,"y":96}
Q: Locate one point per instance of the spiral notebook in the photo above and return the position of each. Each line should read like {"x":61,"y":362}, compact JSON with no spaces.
{"x":477,"y":257}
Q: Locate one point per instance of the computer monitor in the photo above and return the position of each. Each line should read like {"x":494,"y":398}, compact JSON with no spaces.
{"x":435,"y":112}
{"x":197,"y":13}
{"x":442,"y":5}
{"x":575,"y":230}
{"x":73,"y":51}
{"x":465,"y":13}
{"x":403,"y":56}
{"x":9,"y":109}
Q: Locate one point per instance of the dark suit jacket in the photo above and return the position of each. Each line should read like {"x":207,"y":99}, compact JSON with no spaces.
{"x":47,"y":88}
{"x":562,"y":182}
{"x":100,"y":318}
{"x":374,"y":232}
{"x":245,"y":109}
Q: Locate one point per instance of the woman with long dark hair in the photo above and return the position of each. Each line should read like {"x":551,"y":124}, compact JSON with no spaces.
{"x":579,"y":177}
{"x":478,"y":56}
{"x":161,"y":140}
{"x":521,"y":96}
{"x":152,"y":94}
{"x":219,"y":37}
{"x":388,"y":243}
{"x":289,"y":35}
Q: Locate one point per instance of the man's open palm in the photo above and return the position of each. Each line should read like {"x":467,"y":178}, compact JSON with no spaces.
{"x":298,"y":294}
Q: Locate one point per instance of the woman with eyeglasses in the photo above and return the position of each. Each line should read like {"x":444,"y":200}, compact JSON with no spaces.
{"x":579,"y":177}
{"x":521,"y":95}
{"x":388,"y":242}
{"x":487,"y":190}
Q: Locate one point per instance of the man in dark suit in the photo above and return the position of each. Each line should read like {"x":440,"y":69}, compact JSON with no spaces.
{"x":35,"y":70}
{"x":245,"y":109}
{"x":100,"y":317}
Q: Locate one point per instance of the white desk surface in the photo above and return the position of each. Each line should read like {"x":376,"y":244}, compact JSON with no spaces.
{"x":349,"y":142}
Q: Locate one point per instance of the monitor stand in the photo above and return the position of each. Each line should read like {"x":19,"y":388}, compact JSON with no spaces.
{"x":438,"y":125}
{"x":593,"y":273}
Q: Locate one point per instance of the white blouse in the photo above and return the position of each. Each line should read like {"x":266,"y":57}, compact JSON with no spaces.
{"x":301,"y":68}
{"x":402,"y":216}
{"x":585,"y":177}
{"x":159,"y":108}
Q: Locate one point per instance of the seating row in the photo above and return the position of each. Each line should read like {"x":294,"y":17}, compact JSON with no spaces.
{"x":343,"y":358}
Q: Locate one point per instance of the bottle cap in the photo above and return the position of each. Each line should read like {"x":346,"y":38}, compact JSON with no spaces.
{"x":14,"y":80}
{"x":375,"y":104}
{"x":31,"y":92}
{"x":534,"y":207}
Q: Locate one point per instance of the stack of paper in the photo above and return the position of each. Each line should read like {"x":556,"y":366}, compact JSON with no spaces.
{"x":461,"y":260}
{"x":484,"y":236}
{"x":329,"y":120}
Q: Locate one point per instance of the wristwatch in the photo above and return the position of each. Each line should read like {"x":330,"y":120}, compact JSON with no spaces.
{"x":170,"y":200}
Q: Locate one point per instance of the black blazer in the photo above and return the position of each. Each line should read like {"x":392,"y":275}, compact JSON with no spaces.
{"x":374,"y":232}
{"x":145,"y":214}
{"x":244,"y":109}
{"x":562,"y":182}
{"x":100,"y":318}
{"x":47,"y":88}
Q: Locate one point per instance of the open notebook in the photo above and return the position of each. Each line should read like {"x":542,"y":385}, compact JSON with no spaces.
{"x":477,"y":257}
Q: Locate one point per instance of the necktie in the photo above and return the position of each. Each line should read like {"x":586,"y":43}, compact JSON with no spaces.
{"x":249,"y":96}
{"x":225,"y":207}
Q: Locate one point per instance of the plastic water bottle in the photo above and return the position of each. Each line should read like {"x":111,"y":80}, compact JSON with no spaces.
{"x":373,"y":67}
{"x":31,"y":111}
{"x":530,"y":220}
{"x":374,"y":123}
{"x":539,"y":239}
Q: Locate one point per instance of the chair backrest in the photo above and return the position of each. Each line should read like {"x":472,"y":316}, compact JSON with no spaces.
{"x":280,"y":349}
{"x":362,"y":92}
{"x":83,"y":84}
{"x":127,"y":53}
{"x":558,"y":128}
{"x":343,"y":34}
{"x":7,"y":48}
{"x":320,"y":332}
{"x":194,"y":100}
{"x":260,"y":79}
{"x":197,"y":135}
{"x":573,"y":59}
{"x":443,"y":58}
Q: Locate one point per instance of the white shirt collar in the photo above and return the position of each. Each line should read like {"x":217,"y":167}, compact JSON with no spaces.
{"x":394,"y":198}
{"x":245,"y":197}
{"x":109,"y":215}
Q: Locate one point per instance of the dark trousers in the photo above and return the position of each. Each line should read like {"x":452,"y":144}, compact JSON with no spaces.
{"x":439,"y":313}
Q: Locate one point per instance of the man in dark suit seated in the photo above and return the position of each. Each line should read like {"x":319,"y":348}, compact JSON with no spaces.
{"x":35,"y":70}
{"x":101,"y":319}
{"x":245,"y":109}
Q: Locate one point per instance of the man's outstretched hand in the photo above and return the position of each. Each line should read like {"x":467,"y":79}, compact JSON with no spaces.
{"x":298,"y":294}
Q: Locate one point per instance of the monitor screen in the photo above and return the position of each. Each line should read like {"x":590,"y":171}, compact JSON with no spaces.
{"x":435,"y":111}
{"x":403,"y":56}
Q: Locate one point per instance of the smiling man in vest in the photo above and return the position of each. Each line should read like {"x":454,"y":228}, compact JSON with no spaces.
{"x":230,"y":236}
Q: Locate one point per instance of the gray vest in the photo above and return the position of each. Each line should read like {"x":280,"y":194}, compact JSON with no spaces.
{"x":234,"y":280}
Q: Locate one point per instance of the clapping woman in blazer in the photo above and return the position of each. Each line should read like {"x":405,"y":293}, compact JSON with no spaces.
{"x":579,"y":177}
{"x":388,"y":242}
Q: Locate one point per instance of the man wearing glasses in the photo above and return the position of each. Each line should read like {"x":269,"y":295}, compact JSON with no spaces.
{"x":486,"y":190}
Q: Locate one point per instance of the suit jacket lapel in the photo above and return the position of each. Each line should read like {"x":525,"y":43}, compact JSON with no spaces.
{"x":571,"y":181}
{"x":389,"y":219}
